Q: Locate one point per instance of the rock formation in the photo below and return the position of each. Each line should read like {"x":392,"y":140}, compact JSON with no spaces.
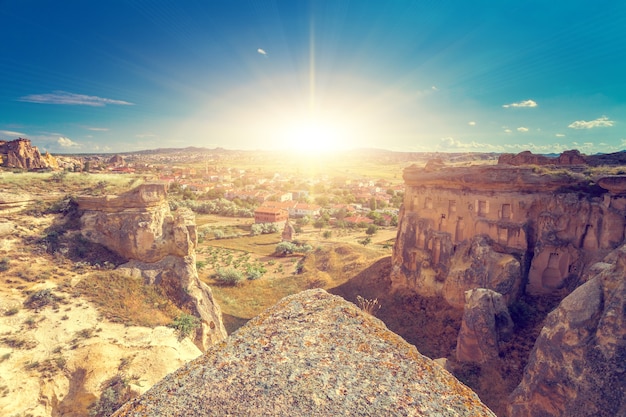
{"x":572,"y":157}
{"x":19,"y":153}
{"x":554,"y":224}
{"x":578,"y":365}
{"x":160,"y":247}
{"x":312,"y":354}
{"x":486,"y":321}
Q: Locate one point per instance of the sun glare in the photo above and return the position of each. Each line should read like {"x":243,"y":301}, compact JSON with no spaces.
{"x":313,"y":136}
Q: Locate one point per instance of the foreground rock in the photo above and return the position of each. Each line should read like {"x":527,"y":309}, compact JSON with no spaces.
{"x":578,"y":365}
{"x":160,"y":246}
{"x":312,"y":354}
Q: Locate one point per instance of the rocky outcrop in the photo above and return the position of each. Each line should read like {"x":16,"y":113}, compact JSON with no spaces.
{"x":19,"y":153}
{"x":160,"y":247}
{"x":553,"y":222}
{"x":486,"y":322}
{"x":475,"y":264}
{"x":578,"y":365}
{"x":312,"y":354}
{"x":572,"y":157}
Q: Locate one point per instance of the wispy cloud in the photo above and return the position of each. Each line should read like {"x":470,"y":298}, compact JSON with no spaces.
{"x":67,"y":143}
{"x":599,"y":122}
{"x":451,"y":144}
{"x":522,"y":129}
{"x":508,"y":131}
{"x":11,"y":134}
{"x":262,"y":51}
{"x":525,"y":103}
{"x":560,"y":135}
{"x":63,"y":97}
{"x":434,"y":88}
{"x":98,"y":129}
{"x":472,"y":123}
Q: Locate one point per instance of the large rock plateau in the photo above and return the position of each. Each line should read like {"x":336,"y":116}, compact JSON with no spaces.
{"x":160,"y":246}
{"x":312,"y":354}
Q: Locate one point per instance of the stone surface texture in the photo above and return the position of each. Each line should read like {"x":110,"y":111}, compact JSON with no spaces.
{"x":19,"y":153}
{"x":312,"y":354}
{"x":486,"y":321}
{"x":578,"y":365}
{"x":160,"y":246}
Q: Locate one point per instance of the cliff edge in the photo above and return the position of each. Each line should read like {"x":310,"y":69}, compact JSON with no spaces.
{"x":312,"y":354}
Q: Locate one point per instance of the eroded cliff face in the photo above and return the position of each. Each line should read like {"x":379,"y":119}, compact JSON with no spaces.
{"x":578,"y":365}
{"x":524,"y":213}
{"x":160,"y":247}
{"x":19,"y":153}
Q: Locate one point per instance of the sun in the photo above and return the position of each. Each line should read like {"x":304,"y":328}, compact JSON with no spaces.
{"x":313,"y":136}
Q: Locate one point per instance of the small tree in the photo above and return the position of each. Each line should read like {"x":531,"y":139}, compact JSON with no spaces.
{"x":371,"y":229}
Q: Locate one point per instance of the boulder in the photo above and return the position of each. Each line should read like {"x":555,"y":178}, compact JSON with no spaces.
{"x":578,"y":364}
{"x":486,"y":321}
{"x":312,"y":354}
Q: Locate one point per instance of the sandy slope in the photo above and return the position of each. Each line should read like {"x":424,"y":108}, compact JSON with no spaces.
{"x":73,"y":352}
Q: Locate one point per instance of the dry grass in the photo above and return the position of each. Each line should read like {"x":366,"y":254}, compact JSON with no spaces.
{"x":126,"y":300}
{"x":70,"y":183}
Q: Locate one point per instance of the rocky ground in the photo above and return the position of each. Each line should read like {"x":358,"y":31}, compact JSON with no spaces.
{"x":57,"y":350}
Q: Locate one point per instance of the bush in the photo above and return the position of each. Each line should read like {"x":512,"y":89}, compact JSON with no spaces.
{"x":115,"y":392}
{"x":185,"y":324}
{"x":4,"y":264}
{"x":255,"y":272}
{"x":229,"y":276}
{"x":41,"y":298}
{"x":287,"y":248}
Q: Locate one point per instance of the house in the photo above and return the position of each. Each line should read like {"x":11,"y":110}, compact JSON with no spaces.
{"x":270,"y":215}
{"x":310,"y":210}
{"x":358,"y":220}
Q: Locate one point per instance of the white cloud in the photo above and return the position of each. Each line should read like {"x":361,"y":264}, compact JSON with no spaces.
{"x":508,"y":131}
{"x":452,"y":144}
{"x":67,"y":143}
{"x":63,"y":97}
{"x":98,"y":129}
{"x":434,"y":88}
{"x":522,"y":129}
{"x":560,"y":135}
{"x":9,"y":134}
{"x":262,"y":51}
{"x":599,"y":122}
{"x":472,"y":123}
{"x":525,"y":103}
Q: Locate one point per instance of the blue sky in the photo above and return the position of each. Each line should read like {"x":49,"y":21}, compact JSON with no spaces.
{"x":93,"y":76}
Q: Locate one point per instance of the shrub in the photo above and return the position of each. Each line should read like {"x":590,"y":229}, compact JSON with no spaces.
{"x":115,"y":392}
{"x":369,"y":306}
{"x":255,"y":272}
{"x":229,"y":276}
{"x":4,"y":264}
{"x":41,"y":298}
{"x":185,"y":324}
